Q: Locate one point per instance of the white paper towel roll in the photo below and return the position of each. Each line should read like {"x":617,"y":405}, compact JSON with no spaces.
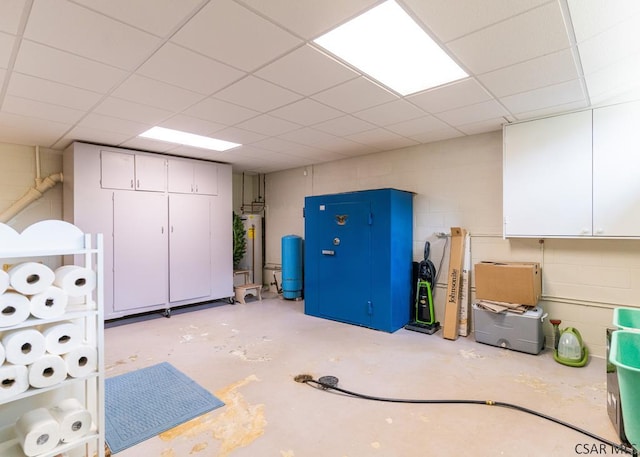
{"x":37,"y":432}
{"x":81,"y":361}
{"x":4,"y":281}
{"x":23,"y":346}
{"x":49,"y":304}
{"x":62,"y":337}
{"x":30,"y":277}
{"x":73,"y":418}
{"x":13,"y":380}
{"x":75,"y":280}
{"x":14,"y":308}
{"x":1,"y":354}
{"x":47,"y":371}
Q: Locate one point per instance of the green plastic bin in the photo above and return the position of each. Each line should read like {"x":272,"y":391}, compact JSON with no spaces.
{"x":627,"y":318}
{"x":625,"y":355}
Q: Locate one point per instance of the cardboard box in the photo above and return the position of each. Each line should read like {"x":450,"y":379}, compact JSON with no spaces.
{"x":454,"y":285}
{"x":511,"y":282}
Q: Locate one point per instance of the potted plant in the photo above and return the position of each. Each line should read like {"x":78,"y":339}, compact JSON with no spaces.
{"x":239,"y":240}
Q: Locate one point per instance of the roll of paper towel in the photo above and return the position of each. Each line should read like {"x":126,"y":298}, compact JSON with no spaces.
{"x":24,"y":346}
{"x":75,"y":280}
{"x":14,"y":380}
{"x":1,"y":354}
{"x":74,"y":420}
{"x":4,"y":281}
{"x":62,"y":337}
{"x":37,"y":432}
{"x":47,"y":371}
{"x":49,"y":304}
{"x":30,"y":277}
{"x":14,"y":308}
{"x":81,"y":361}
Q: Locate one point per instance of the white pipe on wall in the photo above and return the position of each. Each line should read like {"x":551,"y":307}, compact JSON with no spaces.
{"x":30,"y":196}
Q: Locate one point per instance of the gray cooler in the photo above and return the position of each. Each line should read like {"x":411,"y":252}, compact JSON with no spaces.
{"x":520,"y":332}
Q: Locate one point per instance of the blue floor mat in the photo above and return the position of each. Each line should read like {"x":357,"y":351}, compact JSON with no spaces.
{"x":149,"y":401}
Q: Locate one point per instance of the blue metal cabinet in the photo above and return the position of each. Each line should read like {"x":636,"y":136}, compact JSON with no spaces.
{"x":358,"y":257}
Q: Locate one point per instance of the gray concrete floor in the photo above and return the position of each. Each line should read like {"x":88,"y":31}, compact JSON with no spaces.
{"x":248,"y":356}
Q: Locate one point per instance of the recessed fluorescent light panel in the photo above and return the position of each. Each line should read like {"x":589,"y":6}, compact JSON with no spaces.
{"x":188,"y":139}
{"x":387,"y":44}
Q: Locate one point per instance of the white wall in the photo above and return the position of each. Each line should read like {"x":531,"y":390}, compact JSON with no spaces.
{"x":458,"y":182}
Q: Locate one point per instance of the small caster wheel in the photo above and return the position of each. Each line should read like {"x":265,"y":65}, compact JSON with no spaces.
{"x":231,"y":300}
{"x":167,"y":313}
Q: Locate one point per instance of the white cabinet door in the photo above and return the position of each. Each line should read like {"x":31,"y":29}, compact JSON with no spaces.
{"x":189,"y":247}
{"x":180,"y":176}
{"x":547,"y":181}
{"x":205,"y":178}
{"x":140,"y":254}
{"x":616,"y":170}
{"x":117,"y":170}
{"x":151,"y":173}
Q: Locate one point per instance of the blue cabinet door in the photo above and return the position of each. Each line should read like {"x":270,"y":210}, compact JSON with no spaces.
{"x":344,"y":261}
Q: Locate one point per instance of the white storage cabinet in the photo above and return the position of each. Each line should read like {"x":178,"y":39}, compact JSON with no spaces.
{"x":46,"y":242}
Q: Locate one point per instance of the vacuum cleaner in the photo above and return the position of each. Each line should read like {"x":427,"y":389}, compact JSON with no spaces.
{"x":425,"y":321}
{"x":569,"y":349}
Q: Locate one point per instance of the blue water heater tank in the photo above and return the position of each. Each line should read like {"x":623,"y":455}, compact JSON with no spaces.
{"x":291,"y":267}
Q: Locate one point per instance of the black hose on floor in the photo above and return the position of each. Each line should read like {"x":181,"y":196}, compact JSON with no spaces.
{"x":331,"y":384}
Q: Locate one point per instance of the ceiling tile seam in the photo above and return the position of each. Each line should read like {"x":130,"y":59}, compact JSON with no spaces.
{"x":568,"y":24}
{"x":16,"y":49}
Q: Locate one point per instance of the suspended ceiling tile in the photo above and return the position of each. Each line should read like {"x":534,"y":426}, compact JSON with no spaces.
{"x":257,"y":94}
{"x":489,"y":125}
{"x":6,"y":49}
{"x":31,"y":131}
{"x":460,"y":93}
{"x":306,"y":71}
{"x":238,"y":135}
{"x":559,"y":94}
{"x":306,"y":112}
{"x":219,"y":111}
{"x":596,"y":16}
{"x":611,"y":46}
{"x":88,"y":34}
{"x":125,"y":109}
{"x":159,"y":17}
{"x":113,"y":124}
{"x":151,"y":92}
{"x":11,"y":15}
{"x":308,"y":136}
{"x":90,"y":134}
{"x":225,"y":31}
{"x":532,"y":34}
{"x":452,"y":19}
{"x":619,"y":79}
{"x":549,"y":111}
{"x":355,"y":95}
{"x":382,"y":139}
{"x":191,"y":124}
{"x":414,"y":127}
{"x":310,"y":18}
{"x":437,"y":135}
{"x":268,"y":125}
{"x":390,"y":113}
{"x":182,"y":67}
{"x":473,"y":113}
{"x":44,"y":62}
{"x":532,"y":74}
{"x":51,"y":92}
{"x":40,"y":110}
{"x":344,"y":125}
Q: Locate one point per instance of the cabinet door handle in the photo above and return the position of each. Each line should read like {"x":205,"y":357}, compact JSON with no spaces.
{"x":132,"y":183}
{"x":172,"y":229}
{"x":328,"y":252}
{"x":162,"y":230}
{"x":138,"y":184}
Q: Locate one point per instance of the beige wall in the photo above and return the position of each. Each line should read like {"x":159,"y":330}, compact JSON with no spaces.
{"x":18,"y":174}
{"x":458,"y":182}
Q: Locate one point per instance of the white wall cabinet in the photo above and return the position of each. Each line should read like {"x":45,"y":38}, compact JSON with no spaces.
{"x":574,"y":175}
{"x":46,"y":242}
{"x":192,"y":177}
{"x":164,"y":248}
{"x":129,"y":171}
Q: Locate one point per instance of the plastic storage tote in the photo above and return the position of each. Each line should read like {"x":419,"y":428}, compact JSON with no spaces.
{"x":625,"y":355}
{"x":627,"y":318}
